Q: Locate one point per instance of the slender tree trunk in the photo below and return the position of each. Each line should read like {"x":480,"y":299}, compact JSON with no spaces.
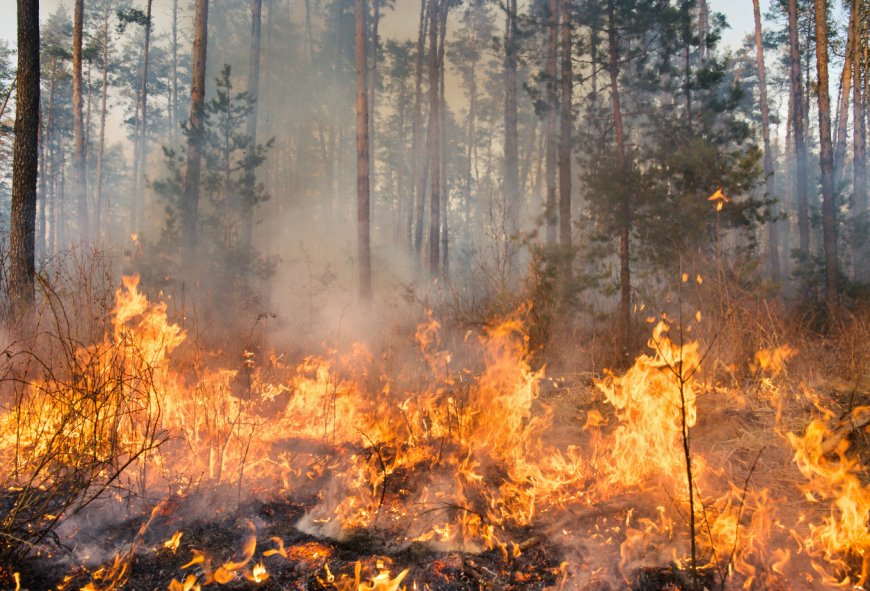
{"x":773,"y":229}
{"x":703,"y":28}
{"x":373,"y":82}
{"x":843,"y":104}
{"x":102,"y":213}
{"x":829,"y":206}
{"x":434,"y":144}
{"x":25,"y":156}
{"x":859,"y":135}
{"x":246,"y":206}
{"x":80,"y":149}
{"x":173,"y":121}
{"x":47,"y":138}
{"x":798,"y":129}
{"x":442,"y":145}
{"x":550,"y":207}
{"x":624,"y":205}
{"x":189,"y":215}
{"x":362,"y":153}
{"x":420,"y":163}
{"x":513,"y":202}
{"x":143,"y":122}
{"x":565,"y":136}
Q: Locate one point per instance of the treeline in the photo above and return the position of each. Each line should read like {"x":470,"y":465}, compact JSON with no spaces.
{"x":603,"y":144}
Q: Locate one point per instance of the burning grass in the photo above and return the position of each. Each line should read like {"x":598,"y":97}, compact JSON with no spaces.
{"x":466,"y":467}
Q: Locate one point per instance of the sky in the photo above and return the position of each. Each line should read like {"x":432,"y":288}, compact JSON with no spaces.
{"x":738,"y":13}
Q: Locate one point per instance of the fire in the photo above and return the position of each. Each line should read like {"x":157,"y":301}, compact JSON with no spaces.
{"x":653,"y":401}
{"x":380,"y":582}
{"x":843,"y":532}
{"x":449,"y":455}
{"x":172,"y":543}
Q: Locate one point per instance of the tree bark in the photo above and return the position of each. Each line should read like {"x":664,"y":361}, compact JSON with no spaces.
{"x":773,"y":229}
{"x":565,"y":136}
{"x":190,"y":204}
{"x":433,"y":143}
{"x":829,"y":207}
{"x":442,"y":144}
{"x":420,"y":163}
{"x":173,"y":120}
{"x":624,"y":205}
{"x":362,"y":153}
{"x":79,"y":147}
{"x":247,"y":208}
{"x":22,"y":237}
{"x":513,"y":203}
{"x":859,"y":134}
{"x":143,"y":122}
{"x":102,"y":213}
{"x":550,"y":207}
{"x":843,"y":104}
{"x":798,"y":129}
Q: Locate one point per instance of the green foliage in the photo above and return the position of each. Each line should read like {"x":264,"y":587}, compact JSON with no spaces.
{"x":229,"y":194}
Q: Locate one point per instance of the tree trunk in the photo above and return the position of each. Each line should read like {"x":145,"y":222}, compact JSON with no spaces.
{"x":373,"y":82}
{"x":102,"y":213}
{"x":80,"y":150}
{"x":433,"y":143}
{"x":189,"y":215}
{"x":22,"y":236}
{"x":624,"y":206}
{"x":829,"y":207}
{"x":565,"y":136}
{"x":550,"y":211}
{"x":362,"y":154}
{"x":47,"y":126}
{"x":442,"y":144}
{"x":143,"y":123}
{"x":173,"y":121}
{"x":843,"y":104}
{"x":419,"y":174}
{"x":798,"y":129}
{"x":859,"y":136}
{"x":513,"y":203}
{"x":703,"y":28}
{"x":247,"y":208}
{"x":773,"y":230}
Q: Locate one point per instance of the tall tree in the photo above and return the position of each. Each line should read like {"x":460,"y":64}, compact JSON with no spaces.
{"x":80,"y":149}
{"x":621,"y":171}
{"x":417,"y":142}
{"x":254,"y":93}
{"x":773,"y":229}
{"x":142,"y":125}
{"x":511,"y":135}
{"x":552,"y":52}
{"x":829,"y":205}
{"x":565,"y":135}
{"x":101,"y":217}
{"x":433,"y":143}
{"x":799,"y":118}
{"x":859,"y":135}
{"x":190,"y":203}
{"x":22,"y":238}
{"x":362,"y":153}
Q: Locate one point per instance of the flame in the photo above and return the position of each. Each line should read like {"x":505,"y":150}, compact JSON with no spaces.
{"x":843,"y":531}
{"x":172,"y":543}
{"x":380,"y":582}
{"x":458,"y":456}
{"x":648,"y":401}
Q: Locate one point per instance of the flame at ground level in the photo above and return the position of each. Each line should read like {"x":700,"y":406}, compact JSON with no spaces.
{"x":458,"y":450}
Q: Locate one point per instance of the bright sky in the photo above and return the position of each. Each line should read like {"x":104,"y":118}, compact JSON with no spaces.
{"x":739,"y":13}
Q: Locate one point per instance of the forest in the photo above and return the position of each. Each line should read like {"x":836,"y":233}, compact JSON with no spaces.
{"x":399,"y":295}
